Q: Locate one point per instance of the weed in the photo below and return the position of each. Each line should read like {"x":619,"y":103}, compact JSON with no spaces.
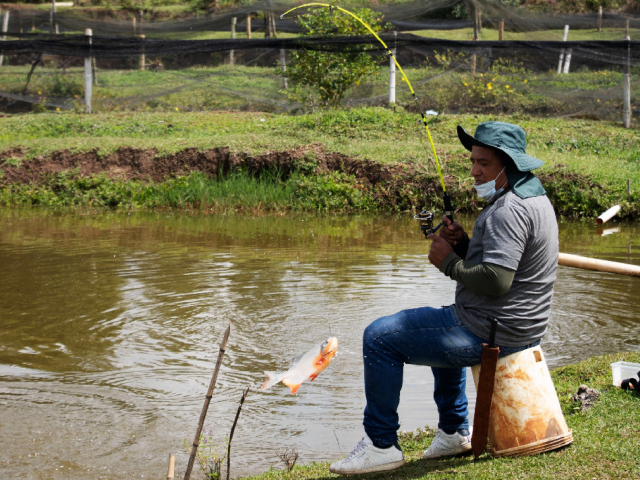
{"x":208,"y":458}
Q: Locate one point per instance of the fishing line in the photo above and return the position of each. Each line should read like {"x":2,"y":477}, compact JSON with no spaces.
{"x":448,"y":209}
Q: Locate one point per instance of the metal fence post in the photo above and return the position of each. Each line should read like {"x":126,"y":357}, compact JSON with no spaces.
{"x":234,"y":20}
{"x":600,"y":18}
{"x":143,"y":56}
{"x":564,"y":39}
{"x":392,"y":77}
{"x":283,"y":64}
{"x":626,"y":90}
{"x":5,"y":28}
{"x":88,"y":83}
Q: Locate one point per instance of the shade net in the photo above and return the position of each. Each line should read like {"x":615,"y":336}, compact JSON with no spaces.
{"x":192,"y":63}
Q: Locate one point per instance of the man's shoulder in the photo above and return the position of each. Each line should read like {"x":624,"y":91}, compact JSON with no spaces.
{"x":511,"y":201}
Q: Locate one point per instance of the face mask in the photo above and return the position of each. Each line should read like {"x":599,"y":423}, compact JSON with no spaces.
{"x":487,"y":191}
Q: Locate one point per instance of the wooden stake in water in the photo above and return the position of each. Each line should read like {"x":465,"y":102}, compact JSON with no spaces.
{"x":207,"y":400}
{"x":233,"y":429}
{"x":172,"y":467}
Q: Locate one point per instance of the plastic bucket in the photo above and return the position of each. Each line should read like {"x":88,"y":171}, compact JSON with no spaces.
{"x":525,"y":416}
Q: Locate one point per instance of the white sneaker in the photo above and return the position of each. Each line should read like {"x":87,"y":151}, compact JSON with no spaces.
{"x":367,"y":458}
{"x":445,"y":445}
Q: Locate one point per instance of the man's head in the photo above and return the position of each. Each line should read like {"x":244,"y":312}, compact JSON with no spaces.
{"x":488,"y":164}
{"x":508,"y":140}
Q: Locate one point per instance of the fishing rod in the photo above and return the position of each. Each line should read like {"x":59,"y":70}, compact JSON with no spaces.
{"x":425,"y":217}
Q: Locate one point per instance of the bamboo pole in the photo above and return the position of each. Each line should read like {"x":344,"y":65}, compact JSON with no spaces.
{"x":207,"y":400}
{"x":245,"y":392}
{"x":608,"y":215}
{"x":576,"y":261}
{"x":172,"y":467}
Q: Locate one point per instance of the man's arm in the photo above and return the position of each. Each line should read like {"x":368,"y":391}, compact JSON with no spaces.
{"x":483,"y":278}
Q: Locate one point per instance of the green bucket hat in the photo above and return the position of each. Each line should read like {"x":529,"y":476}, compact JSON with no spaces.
{"x":507,"y":138}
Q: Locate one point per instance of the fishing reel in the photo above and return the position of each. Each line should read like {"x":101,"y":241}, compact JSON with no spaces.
{"x":425,"y":217}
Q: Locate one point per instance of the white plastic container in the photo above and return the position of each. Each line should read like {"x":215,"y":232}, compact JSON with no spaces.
{"x":623,"y":370}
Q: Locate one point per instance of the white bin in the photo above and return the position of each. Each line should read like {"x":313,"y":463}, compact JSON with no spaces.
{"x":623,"y":370}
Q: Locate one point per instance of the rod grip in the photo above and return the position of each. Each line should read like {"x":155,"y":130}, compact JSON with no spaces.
{"x":492,"y":332}
{"x":448,"y":208}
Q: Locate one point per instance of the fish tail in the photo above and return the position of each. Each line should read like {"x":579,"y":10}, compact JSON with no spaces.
{"x":272,"y":379}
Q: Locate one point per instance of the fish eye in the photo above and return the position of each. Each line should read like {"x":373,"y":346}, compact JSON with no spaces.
{"x":324,"y":344}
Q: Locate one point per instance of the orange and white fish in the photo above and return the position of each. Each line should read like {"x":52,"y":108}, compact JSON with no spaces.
{"x":308,"y":366}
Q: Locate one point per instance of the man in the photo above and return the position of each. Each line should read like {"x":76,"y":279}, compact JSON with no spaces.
{"x":506,"y":270}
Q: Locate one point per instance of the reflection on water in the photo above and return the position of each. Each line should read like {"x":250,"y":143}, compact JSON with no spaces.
{"x":110,"y":325}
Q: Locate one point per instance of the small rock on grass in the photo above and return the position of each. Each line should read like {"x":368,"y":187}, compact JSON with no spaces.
{"x":586,"y":396}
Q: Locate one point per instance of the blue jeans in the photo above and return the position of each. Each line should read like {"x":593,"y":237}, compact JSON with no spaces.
{"x":422,"y":336}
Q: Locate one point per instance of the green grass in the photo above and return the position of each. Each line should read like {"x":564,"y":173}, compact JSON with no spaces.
{"x":606,"y":439}
{"x":588,"y":162}
{"x":492,"y":34}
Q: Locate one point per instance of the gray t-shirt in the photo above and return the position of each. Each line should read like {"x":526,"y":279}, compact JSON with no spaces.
{"x":522,"y":235}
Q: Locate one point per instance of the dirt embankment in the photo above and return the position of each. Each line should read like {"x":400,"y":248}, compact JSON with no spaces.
{"x":131,"y":163}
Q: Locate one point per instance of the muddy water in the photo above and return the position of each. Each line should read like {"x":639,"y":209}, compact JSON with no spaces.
{"x":109,"y":325}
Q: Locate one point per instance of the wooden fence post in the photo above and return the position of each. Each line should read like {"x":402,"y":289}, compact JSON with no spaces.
{"x":501,"y":30}
{"x":248,"y":25}
{"x":88,"y":83}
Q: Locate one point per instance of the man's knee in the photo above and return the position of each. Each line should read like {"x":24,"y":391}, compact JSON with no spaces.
{"x":381,"y":327}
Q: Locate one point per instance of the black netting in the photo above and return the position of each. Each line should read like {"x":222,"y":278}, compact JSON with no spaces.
{"x":191,"y":63}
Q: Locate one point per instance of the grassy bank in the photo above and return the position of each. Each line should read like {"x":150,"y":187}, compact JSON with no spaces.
{"x":605,"y":444}
{"x":588,"y":162}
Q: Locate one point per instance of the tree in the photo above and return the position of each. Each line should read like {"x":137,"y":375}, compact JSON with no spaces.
{"x":324,"y":77}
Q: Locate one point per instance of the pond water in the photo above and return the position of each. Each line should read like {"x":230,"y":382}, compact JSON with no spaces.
{"x":110,"y":326}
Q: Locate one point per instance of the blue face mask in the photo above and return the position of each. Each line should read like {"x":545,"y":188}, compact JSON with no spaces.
{"x":487,"y":191}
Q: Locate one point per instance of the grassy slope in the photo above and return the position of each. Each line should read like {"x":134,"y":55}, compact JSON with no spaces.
{"x":606,"y":439}
{"x":581,"y":146}
{"x":588,"y":161}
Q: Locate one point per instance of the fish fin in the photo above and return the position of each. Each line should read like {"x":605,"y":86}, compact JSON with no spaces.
{"x":293,"y":386}
{"x":272,"y":379}
{"x":313,"y":377}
